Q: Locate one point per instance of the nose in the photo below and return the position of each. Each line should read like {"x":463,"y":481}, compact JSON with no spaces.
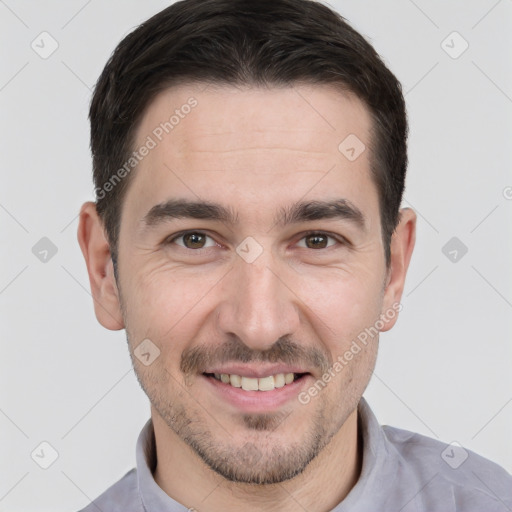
{"x":259,"y":305}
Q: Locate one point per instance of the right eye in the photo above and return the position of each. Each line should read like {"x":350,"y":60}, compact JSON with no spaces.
{"x":192,"y":240}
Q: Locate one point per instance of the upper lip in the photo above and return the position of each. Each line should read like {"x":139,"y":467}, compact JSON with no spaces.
{"x":255,"y":372}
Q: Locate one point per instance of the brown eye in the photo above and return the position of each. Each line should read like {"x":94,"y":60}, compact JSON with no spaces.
{"x":193,"y":240}
{"x":317,"y":240}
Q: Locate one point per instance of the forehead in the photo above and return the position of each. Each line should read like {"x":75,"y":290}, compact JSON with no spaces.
{"x":253,"y":146}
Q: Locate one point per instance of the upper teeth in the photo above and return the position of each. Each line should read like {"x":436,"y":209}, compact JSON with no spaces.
{"x":254,"y":384}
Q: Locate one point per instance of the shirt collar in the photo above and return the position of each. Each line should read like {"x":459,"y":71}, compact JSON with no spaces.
{"x":153,"y":498}
{"x":379,"y":463}
{"x":379,"y":460}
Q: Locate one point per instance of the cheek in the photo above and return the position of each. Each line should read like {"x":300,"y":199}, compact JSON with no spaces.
{"x":344,"y":304}
{"x":165,"y":307}
{"x":152,"y":293}
{"x":150,"y":301}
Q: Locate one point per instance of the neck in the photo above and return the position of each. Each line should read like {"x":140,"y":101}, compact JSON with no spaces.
{"x":320,"y":487}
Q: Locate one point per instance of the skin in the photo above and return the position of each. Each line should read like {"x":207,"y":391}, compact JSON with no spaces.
{"x":254,"y":150}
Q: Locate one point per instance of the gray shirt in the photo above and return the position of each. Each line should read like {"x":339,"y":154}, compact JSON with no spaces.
{"x":402,"y":472}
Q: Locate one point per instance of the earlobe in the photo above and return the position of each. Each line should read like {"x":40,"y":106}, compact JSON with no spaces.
{"x":402,"y":246}
{"x":96,"y":251}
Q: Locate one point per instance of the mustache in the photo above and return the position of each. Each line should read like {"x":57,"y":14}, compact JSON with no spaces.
{"x":200,"y":358}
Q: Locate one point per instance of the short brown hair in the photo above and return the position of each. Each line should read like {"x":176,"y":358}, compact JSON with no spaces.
{"x":240,"y":42}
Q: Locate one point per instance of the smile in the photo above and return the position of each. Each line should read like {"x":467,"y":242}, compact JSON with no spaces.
{"x":268,"y":383}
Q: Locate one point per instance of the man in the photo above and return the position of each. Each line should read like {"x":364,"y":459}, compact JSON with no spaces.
{"x":249,"y":163}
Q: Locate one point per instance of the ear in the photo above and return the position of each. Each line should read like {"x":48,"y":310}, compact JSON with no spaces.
{"x":96,"y":251}
{"x":402,"y":245}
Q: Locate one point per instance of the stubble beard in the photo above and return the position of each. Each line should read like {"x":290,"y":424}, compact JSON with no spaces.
{"x":262,"y":459}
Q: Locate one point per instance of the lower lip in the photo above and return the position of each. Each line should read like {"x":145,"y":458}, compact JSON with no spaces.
{"x":258,"y":401}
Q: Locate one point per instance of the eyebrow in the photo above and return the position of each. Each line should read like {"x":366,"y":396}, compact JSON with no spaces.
{"x":302,"y":211}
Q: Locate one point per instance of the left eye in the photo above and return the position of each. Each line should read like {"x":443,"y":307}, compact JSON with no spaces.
{"x":317,"y":240}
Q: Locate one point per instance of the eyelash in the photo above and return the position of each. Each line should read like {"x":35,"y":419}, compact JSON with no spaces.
{"x":341,"y":240}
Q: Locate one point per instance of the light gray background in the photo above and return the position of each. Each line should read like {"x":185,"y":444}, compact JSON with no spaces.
{"x":443,"y":371}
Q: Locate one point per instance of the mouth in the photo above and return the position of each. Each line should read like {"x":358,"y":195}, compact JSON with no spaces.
{"x":257,"y":391}
{"x":267,"y":383}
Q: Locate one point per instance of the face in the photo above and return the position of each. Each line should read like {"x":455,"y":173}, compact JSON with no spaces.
{"x":247,"y":298}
